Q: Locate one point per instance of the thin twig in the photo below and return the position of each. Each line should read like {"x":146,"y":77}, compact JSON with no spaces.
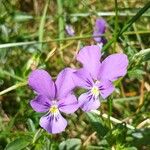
{"x":143,"y":123}
{"x":114,"y":120}
{"x":141,"y":100}
{"x":103,"y":14}
{"x":89,"y":138}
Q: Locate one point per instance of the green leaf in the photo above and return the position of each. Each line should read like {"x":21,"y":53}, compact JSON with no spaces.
{"x":136,"y":73}
{"x":31,"y":125}
{"x":117,"y":135}
{"x":140,"y":138}
{"x":70,"y":144}
{"x":143,"y":55}
{"x":18,"y":144}
{"x":97,"y":124}
{"x":130,"y":148}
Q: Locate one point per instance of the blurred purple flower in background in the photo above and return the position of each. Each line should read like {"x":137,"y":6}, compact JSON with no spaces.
{"x":69,"y":29}
{"x":96,"y":76}
{"x":53,"y":98}
{"x":100,"y":27}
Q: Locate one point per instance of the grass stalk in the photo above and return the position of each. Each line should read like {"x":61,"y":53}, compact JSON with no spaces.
{"x":60,"y":24}
{"x":116,"y":24}
{"x":42,"y":23}
{"x":128,"y":24}
{"x":7,"y":45}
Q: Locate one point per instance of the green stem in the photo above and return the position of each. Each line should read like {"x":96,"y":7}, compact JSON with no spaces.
{"x":13,"y":87}
{"x":47,"y":41}
{"x":136,"y":32}
{"x":126,"y":99}
{"x":11,"y":75}
{"x":65,"y":39}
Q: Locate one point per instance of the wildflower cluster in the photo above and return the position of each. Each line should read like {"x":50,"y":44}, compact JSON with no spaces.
{"x":54,"y":98}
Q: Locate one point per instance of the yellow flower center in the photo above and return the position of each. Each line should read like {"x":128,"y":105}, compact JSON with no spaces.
{"x":53,"y":109}
{"x":95,"y":91}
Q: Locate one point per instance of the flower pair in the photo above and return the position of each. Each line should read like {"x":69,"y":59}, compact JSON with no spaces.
{"x":56,"y":97}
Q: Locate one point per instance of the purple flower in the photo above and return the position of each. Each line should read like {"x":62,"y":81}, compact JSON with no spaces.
{"x":53,"y":98}
{"x":100,"y":27}
{"x":96,"y":76}
{"x":69,"y":29}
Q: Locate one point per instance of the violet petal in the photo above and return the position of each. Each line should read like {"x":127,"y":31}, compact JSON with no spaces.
{"x":106,"y":88}
{"x":40,"y":81}
{"x":68,"y":104}
{"x":40,"y":103}
{"x":69,"y":29}
{"x":100,"y":27}
{"x":113,"y":67}
{"x":83,"y":79}
{"x":90,"y":56}
{"x":53,"y":123}
{"x":65,"y":83}
{"x":88,"y":102}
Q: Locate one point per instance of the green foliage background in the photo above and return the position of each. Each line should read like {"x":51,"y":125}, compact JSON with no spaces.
{"x":32,"y":35}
